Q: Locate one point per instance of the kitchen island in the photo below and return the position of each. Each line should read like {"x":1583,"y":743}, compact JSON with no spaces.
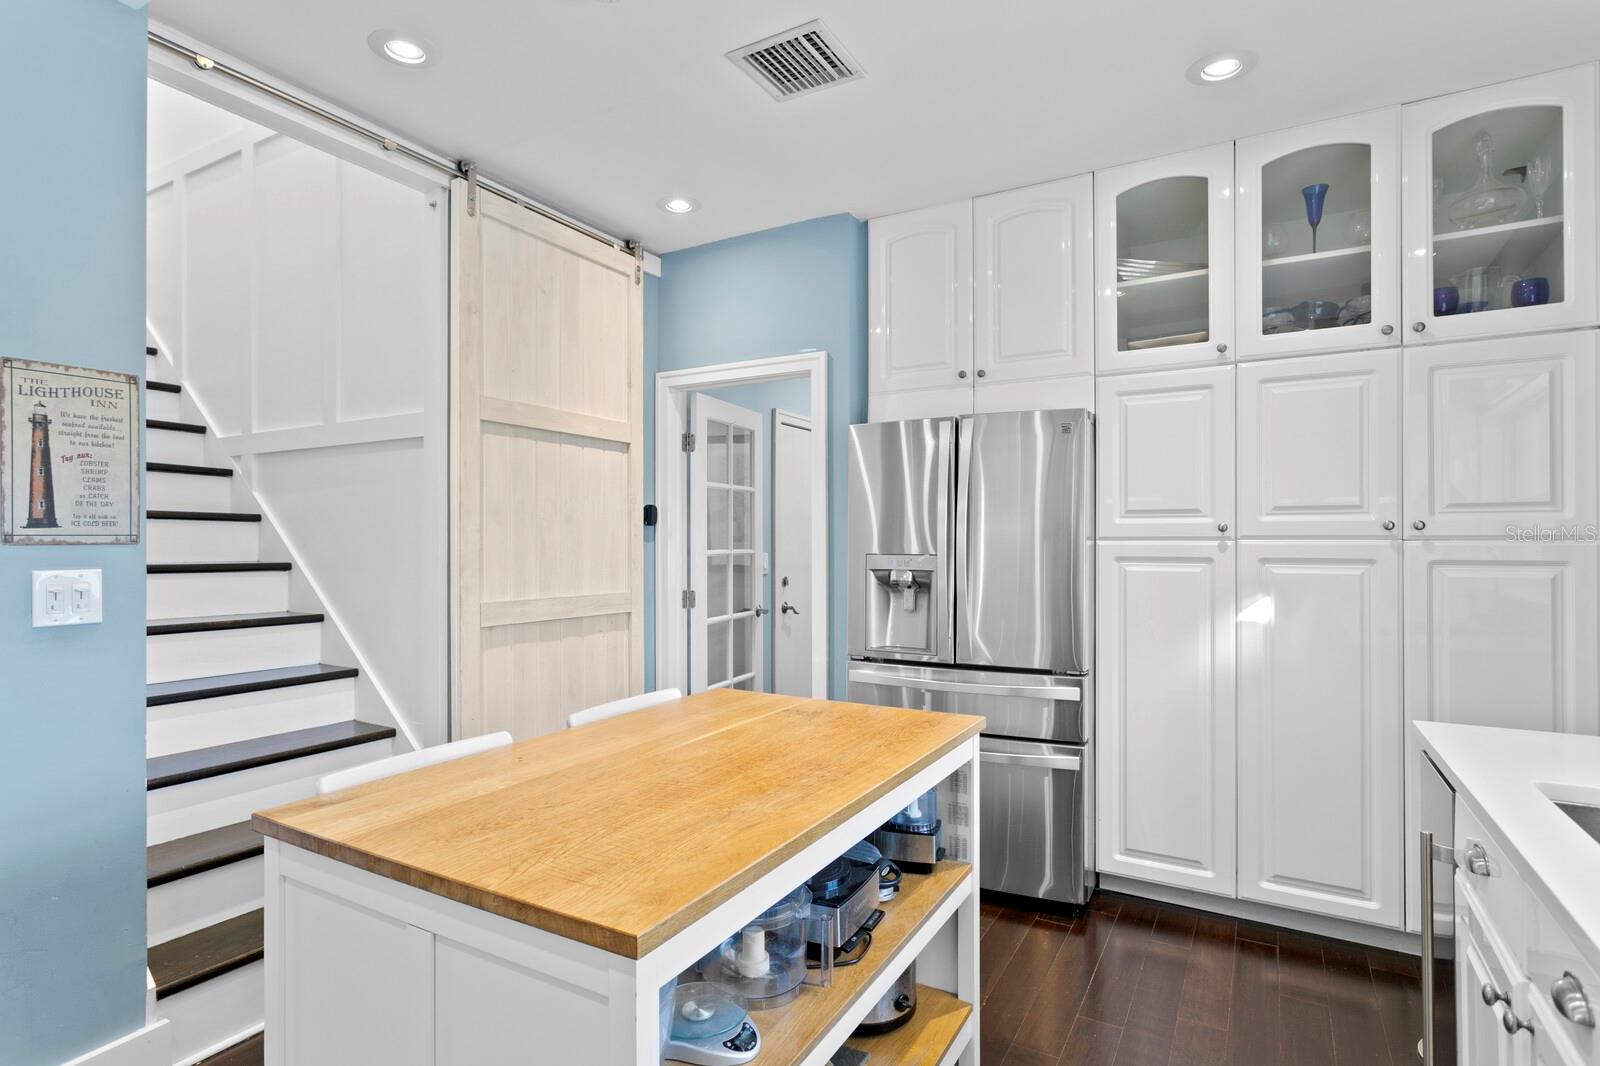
{"x":526,"y":905}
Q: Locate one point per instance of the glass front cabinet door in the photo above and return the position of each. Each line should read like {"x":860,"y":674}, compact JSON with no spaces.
{"x":1499,"y":209}
{"x":1319,"y":232}
{"x":1164,"y":262}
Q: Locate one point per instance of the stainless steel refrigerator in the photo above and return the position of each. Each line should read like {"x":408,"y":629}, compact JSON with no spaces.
{"x":971,"y":589}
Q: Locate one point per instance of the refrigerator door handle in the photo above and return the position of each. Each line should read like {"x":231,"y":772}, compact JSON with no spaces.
{"x":870,"y":676}
{"x":1038,"y":762}
{"x":1429,"y":978}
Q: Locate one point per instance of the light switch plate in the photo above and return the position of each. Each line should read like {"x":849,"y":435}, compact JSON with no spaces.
{"x":65,"y":597}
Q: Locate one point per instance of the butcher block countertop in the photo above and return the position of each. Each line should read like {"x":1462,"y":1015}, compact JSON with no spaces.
{"x":622,"y":833}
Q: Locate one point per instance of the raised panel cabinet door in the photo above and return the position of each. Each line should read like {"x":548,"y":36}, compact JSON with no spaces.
{"x":1475,"y":227}
{"x":1321,"y":729}
{"x":1500,"y":438}
{"x":1319,"y":446}
{"x":919,"y":277}
{"x":1165,"y":465}
{"x":1166,"y":713}
{"x":1335,"y":285}
{"x":1163,"y":249}
{"x":1033,"y":305}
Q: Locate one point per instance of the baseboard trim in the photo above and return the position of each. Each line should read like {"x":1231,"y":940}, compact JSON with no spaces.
{"x":223,"y":1045}
{"x":1322,"y":925}
{"x":150,"y":1046}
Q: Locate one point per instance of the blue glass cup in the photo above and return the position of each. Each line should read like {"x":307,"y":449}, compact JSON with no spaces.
{"x":1446,"y":299}
{"x":1530,"y":292}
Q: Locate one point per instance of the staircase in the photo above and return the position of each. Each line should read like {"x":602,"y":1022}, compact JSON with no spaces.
{"x":241,"y":714}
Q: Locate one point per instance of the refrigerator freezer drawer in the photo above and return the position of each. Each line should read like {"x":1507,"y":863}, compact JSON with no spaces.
{"x":1027,"y":706}
{"x":1034,"y":820}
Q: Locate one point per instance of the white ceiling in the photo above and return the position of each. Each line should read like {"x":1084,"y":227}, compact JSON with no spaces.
{"x":604,"y":108}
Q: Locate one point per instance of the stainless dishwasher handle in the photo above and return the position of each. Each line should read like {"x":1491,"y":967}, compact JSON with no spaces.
{"x":1040,"y":762}
{"x":1428,"y":976}
{"x":974,"y":688}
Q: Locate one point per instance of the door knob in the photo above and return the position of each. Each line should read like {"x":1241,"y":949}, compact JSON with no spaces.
{"x":1419,"y":525}
{"x":1386,"y":330}
{"x":789,"y":608}
{"x":1387,"y":526}
{"x":1418,"y":327}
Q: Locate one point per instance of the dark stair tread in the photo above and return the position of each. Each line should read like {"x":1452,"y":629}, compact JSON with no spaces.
{"x":205,"y":688}
{"x":187,"y":468}
{"x":162,"y":386}
{"x":205,"y":953}
{"x":200,"y":852}
{"x":176,"y":427}
{"x":213,"y":568}
{"x":197,"y":765}
{"x":204,"y":516}
{"x":213,"y":622}
{"x":251,"y":1051}
{"x":151,"y":351}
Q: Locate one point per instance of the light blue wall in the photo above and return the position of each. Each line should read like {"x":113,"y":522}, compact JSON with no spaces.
{"x":72,"y":799}
{"x":778,"y":292}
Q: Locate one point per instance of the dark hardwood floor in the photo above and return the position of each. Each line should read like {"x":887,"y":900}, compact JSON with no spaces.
{"x":1139,"y":983}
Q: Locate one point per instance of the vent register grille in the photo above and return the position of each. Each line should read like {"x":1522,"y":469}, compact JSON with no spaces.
{"x":798,"y":61}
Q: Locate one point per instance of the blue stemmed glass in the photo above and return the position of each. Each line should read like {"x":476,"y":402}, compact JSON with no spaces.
{"x":1315,"y":196}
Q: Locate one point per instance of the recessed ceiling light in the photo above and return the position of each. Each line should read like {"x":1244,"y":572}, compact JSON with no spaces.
{"x":398,"y":47}
{"x":1220,"y":66}
{"x":678,"y":205}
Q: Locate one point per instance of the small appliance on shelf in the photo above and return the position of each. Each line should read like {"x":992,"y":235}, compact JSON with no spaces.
{"x":710,"y":1027}
{"x":911,"y":838}
{"x":764,"y":964}
{"x":847,"y":887}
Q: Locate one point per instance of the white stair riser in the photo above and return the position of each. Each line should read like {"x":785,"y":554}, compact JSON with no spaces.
{"x":186,"y":492}
{"x":173,"y":446}
{"x":175,"y":727}
{"x":193,"y":807}
{"x":179,"y":541}
{"x":163,"y":406}
{"x":214,"y":1014}
{"x":203,"y":899}
{"x":179,"y":656}
{"x":228,"y":592}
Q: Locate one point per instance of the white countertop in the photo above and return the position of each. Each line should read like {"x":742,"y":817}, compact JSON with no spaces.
{"x":1507,"y":778}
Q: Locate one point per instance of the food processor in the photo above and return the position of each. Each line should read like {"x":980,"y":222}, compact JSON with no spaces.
{"x":764,"y":963}
{"x":911,"y":838}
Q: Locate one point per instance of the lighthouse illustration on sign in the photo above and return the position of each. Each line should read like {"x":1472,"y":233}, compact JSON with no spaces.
{"x":41,"y":481}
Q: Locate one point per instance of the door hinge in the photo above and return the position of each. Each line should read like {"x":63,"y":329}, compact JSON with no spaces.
{"x":469,"y":170}
{"x":688,"y":442}
{"x":688,"y":598}
{"x":636,"y":250}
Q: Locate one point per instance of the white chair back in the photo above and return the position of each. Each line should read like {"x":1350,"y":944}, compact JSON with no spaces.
{"x":411,"y":760}
{"x":603,"y":711}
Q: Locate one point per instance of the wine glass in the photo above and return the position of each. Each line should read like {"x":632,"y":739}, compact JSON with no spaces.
{"x":1358,"y":228}
{"x":1541,"y":171}
{"x":1275,"y":239}
{"x":1316,"y":196}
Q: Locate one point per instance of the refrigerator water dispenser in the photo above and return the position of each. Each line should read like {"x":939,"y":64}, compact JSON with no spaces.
{"x":900,"y":599}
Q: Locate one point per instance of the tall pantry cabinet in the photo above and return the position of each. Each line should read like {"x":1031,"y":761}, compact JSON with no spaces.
{"x":1347,"y":476}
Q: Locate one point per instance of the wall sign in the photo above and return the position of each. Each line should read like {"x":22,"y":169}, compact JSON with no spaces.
{"x":69,"y":455}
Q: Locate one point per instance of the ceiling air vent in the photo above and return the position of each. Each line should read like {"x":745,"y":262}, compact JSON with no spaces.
{"x":798,"y":61}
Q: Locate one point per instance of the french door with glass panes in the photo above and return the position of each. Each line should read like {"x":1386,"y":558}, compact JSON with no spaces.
{"x":727,"y":547}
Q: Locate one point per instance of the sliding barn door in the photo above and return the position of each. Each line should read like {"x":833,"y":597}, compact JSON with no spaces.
{"x":547,"y":391}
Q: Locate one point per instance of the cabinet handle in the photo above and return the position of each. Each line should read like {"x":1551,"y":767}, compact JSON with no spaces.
{"x":1567,"y":993}
{"x":1388,"y":525}
{"x":1418,"y":327}
{"x":1419,"y":524}
{"x":1386,"y":330}
{"x":1514,"y":1025}
{"x":1222,"y":349}
{"x":1222,"y":527}
{"x":961,"y":373}
{"x":983,"y":373}
{"x":1492,"y":995}
{"x":1476,"y":860}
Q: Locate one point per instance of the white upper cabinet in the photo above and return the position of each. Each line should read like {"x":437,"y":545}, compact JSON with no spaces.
{"x":1319,"y":237}
{"x":1500,"y":437}
{"x":1500,"y":209}
{"x":919,"y":277}
{"x":1033,"y":312}
{"x":1164,"y":262}
{"x":1165,"y":756}
{"x":1165,"y":453}
{"x":1319,"y":446}
{"x":1320,"y":724}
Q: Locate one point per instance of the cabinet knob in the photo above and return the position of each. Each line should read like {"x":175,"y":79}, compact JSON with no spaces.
{"x":983,"y":373}
{"x":1513,"y":1024}
{"x":1222,"y":527}
{"x":1388,"y":525}
{"x":1492,"y":995}
{"x":1222,"y":349}
{"x":1419,"y":525}
{"x":1386,"y":330}
{"x":1418,"y":327}
{"x":961,"y":373}
{"x":1567,"y":993}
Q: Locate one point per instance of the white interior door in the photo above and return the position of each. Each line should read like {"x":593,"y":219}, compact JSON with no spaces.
{"x":726,"y":547}
{"x":791,"y":553}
